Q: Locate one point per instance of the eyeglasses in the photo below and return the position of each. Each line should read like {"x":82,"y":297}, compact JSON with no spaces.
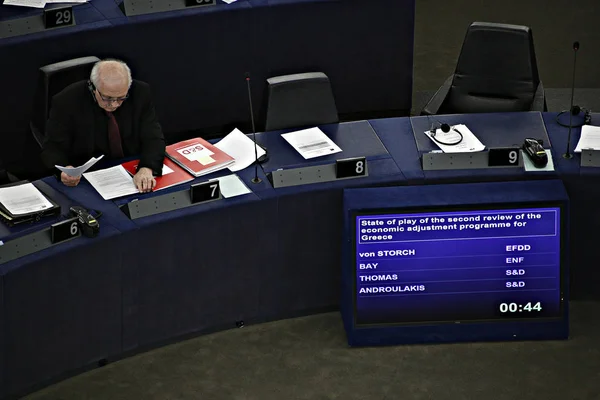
{"x":112,"y":99}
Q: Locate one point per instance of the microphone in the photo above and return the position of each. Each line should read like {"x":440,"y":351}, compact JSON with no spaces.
{"x":256,"y":179}
{"x":443,"y":126}
{"x":572,"y":109}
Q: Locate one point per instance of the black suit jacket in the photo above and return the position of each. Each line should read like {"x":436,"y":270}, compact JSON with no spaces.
{"x":77,"y":128}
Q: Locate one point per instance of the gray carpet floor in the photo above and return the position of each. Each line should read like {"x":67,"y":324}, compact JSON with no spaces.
{"x":307,"y":358}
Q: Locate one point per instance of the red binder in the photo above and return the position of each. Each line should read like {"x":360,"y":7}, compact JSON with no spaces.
{"x":172,"y":173}
{"x":198,"y":157}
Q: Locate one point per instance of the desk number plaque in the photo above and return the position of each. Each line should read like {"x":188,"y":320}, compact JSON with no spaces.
{"x":194,"y":3}
{"x":504,"y":157}
{"x":59,"y":17}
{"x":205,"y":191}
{"x":350,"y":167}
{"x":64,"y":230}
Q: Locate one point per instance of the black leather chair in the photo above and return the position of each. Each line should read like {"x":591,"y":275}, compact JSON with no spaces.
{"x":5,"y":176}
{"x":51,"y":80}
{"x":299,"y":100}
{"x":496,"y":72}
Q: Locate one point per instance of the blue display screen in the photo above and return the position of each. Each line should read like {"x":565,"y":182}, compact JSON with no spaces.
{"x":458,"y":265}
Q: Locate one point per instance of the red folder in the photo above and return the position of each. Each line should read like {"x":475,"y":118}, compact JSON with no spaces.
{"x":198,"y":157}
{"x":172,"y":173}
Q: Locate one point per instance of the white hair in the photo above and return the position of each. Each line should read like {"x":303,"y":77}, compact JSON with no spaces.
{"x":95,"y":74}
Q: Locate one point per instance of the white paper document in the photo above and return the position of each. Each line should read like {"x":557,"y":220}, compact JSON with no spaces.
{"x":241,"y":148}
{"x":468,"y":144}
{"x":78,"y":171}
{"x":229,"y":1}
{"x":25,"y":3}
{"x":530,"y":167}
{"x":590,"y":138}
{"x":112,"y":182}
{"x":231,"y":186}
{"x":23,"y":199}
{"x":311,"y":143}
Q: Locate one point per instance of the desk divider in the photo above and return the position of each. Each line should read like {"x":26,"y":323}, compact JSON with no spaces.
{"x":449,"y":161}
{"x":27,"y":25}
{"x":590,"y":158}
{"x":159,"y":204}
{"x":25,"y":245}
{"x":140,"y":7}
{"x":306,"y":175}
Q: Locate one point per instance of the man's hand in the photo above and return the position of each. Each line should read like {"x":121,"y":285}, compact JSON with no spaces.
{"x":143,"y":180}
{"x":69,"y":180}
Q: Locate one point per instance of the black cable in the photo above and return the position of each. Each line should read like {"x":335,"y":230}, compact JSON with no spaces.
{"x":433,"y":134}
{"x":587,"y":117}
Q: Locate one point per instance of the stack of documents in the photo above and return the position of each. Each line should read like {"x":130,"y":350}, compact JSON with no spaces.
{"x":590,"y":138}
{"x":19,"y":202}
{"x":199,"y":157}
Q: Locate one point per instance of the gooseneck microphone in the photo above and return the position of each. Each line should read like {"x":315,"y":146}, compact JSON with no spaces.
{"x":256,"y":179}
{"x":571,"y":109}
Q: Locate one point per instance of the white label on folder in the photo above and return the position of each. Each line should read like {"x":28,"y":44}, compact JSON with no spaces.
{"x":206,"y":160}
{"x":195,"y":152}
{"x":166,"y":170}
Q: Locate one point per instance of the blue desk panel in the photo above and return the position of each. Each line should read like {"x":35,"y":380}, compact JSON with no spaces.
{"x":62,"y":309}
{"x":356,"y":139}
{"x":494,"y":130}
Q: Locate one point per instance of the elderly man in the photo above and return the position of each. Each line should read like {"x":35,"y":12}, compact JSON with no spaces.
{"x":110,"y":114}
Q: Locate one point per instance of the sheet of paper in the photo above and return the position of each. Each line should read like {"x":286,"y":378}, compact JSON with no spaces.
{"x":241,"y":148}
{"x":311,"y":143}
{"x":166,"y":170}
{"x":590,"y":138}
{"x":229,"y":1}
{"x":468,"y":144}
{"x":78,"y":171}
{"x":232,"y":185}
{"x":66,"y":1}
{"x":25,"y":3}
{"x":530,"y":167}
{"x":23,"y":199}
{"x":111,"y":182}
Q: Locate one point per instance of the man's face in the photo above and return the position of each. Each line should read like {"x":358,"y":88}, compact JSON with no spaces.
{"x":110,"y":95}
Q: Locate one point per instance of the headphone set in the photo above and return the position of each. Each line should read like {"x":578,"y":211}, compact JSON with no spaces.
{"x":91,"y":87}
{"x":444,"y":128}
{"x":576,"y":110}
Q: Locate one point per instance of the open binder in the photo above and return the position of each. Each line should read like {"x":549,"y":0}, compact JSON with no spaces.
{"x":47,"y":207}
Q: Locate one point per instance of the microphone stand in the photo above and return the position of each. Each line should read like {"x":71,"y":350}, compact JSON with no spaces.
{"x":256,"y":179}
{"x":568,"y":153}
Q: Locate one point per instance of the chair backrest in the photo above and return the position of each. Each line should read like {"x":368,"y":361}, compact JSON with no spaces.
{"x":299,"y":100}
{"x":52,"y":79}
{"x":496,"y":70}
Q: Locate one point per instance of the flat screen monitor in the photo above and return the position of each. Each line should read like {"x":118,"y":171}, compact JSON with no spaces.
{"x":458,"y":264}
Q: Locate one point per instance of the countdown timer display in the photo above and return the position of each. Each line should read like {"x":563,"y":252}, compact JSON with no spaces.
{"x":460,"y":265}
